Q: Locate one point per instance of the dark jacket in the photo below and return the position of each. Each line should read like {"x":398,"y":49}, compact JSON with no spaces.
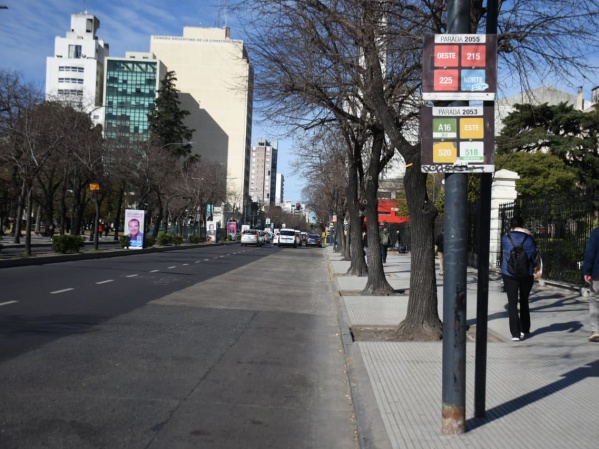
{"x":591,"y":255}
{"x":530,"y":246}
{"x":439,"y":243}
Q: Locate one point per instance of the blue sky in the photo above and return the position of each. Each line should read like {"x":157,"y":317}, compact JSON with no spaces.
{"x":28,"y":29}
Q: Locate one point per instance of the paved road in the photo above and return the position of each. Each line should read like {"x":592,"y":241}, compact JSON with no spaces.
{"x":222,"y":347}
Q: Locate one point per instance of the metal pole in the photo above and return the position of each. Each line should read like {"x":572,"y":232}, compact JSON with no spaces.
{"x":454,"y":289}
{"x":482,"y":299}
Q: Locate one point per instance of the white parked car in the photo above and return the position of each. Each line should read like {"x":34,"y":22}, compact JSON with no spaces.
{"x":251,"y":237}
{"x":287,"y":238}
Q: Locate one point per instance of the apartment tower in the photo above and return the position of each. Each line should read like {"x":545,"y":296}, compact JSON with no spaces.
{"x":215,"y":80}
{"x":263,"y":172}
{"x":75,"y":73}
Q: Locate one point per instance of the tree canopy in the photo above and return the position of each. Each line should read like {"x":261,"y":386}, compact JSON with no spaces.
{"x":540,"y":173}
{"x":561,"y":130}
{"x":166,"y":119}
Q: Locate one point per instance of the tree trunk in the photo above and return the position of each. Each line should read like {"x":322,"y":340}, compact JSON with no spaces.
{"x":28,"y":222}
{"x":19,"y":214}
{"x":377,"y":282}
{"x":358,"y":265}
{"x":422,"y":319}
{"x":119,"y":209}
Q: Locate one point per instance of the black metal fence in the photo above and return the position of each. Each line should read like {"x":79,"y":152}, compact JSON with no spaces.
{"x":561,"y":226}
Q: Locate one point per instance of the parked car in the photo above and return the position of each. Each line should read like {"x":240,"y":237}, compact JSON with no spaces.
{"x":267,"y":237}
{"x":298,"y":238}
{"x":304,"y":238}
{"x":287,"y":237}
{"x":314,"y":240}
{"x":251,"y":237}
{"x":262,"y":237}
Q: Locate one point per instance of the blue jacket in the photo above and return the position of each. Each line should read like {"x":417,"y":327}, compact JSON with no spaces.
{"x":530,"y":246}
{"x":591,"y":255}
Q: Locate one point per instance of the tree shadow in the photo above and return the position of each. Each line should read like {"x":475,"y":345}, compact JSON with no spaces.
{"x":568,"y":379}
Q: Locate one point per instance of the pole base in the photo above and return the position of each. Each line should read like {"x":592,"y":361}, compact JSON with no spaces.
{"x":453,"y":420}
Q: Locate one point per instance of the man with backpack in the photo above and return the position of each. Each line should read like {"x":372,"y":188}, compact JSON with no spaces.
{"x":517,"y":269}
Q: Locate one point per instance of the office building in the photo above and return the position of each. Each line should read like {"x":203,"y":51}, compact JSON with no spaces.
{"x":131,"y":86}
{"x":263,"y":172}
{"x":215,"y":80}
{"x":75,"y":73}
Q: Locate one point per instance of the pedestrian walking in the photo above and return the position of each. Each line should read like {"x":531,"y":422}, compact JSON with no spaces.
{"x":385,"y":240}
{"x":439,"y":250}
{"x":590,"y":270}
{"x":518,"y":284}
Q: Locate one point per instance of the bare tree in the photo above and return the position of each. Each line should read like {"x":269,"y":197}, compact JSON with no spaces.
{"x":312,"y":78}
{"x":18,"y":99}
{"x":536,"y":40}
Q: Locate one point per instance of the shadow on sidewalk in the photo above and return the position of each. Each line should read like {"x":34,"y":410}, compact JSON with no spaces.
{"x":568,"y":379}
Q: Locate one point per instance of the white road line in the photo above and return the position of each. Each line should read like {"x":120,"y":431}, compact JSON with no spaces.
{"x":185,"y":264}
{"x":206,"y":260}
{"x":174,"y":266}
{"x":154,"y":271}
{"x":131,"y":275}
{"x":197,"y":261}
{"x":105,"y":282}
{"x":7,"y":303}
{"x":61,"y":291}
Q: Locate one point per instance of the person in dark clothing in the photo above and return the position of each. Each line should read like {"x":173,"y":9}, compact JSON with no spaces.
{"x":590,"y":270}
{"x":516,"y":287}
{"x":385,"y":241}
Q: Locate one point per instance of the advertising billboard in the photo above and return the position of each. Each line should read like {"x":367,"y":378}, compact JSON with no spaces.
{"x":134,"y":226}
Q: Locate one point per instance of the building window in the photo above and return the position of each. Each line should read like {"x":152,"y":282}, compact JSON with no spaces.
{"x":74,"y":51}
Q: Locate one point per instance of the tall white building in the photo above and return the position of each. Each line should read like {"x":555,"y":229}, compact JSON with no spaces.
{"x":75,"y":73}
{"x":215,"y":80}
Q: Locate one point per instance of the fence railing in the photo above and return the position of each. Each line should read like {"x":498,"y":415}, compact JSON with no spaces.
{"x":561,"y":226}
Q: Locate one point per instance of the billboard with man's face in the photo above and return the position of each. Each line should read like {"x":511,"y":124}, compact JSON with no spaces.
{"x":211,"y":231}
{"x":134,"y":226}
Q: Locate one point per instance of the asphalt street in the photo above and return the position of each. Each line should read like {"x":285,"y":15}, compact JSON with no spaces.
{"x":213,"y":347}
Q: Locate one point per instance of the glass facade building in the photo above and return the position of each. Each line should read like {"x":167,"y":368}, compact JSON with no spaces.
{"x":130,"y":90}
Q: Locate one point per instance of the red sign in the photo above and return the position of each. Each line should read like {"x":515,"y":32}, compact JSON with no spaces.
{"x":447,"y":55}
{"x":446,"y":80}
{"x":474,"y":56}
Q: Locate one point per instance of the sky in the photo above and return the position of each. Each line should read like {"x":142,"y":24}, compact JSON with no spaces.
{"x":28,"y":29}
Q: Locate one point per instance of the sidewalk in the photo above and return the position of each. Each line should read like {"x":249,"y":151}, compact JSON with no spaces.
{"x":541,"y":393}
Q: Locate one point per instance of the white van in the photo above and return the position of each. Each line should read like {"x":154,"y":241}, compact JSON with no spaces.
{"x":287,"y":238}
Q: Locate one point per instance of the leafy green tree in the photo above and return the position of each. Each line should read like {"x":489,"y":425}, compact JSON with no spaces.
{"x":561,"y":130}
{"x":166,"y":119}
{"x":540,"y":173}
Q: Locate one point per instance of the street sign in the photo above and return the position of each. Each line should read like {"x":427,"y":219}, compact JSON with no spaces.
{"x":459,"y":67}
{"x":94,"y":186}
{"x":457,"y":139}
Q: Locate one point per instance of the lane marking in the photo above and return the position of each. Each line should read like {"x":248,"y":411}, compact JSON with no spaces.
{"x":131,"y":275}
{"x":7,"y":303}
{"x":174,"y":266}
{"x":185,"y":264}
{"x":104,"y":282}
{"x":61,"y":291}
{"x":154,"y":271}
